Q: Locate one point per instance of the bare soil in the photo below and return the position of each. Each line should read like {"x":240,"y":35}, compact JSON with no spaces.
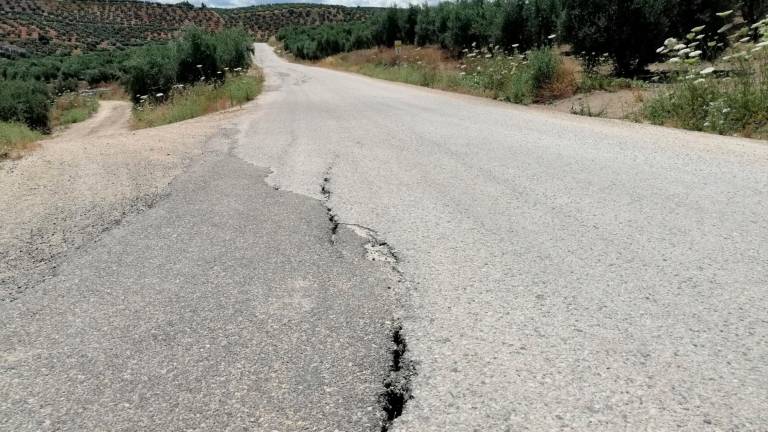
{"x":83,"y":181}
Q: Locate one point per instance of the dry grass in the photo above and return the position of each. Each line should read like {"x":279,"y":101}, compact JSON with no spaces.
{"x":563,"y":85}
{"x":15,"y":139}
{"x":198,"y":100}
{"x":72,"y":108}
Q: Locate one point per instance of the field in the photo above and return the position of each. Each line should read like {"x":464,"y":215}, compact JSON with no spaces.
{"x":35,"y":27}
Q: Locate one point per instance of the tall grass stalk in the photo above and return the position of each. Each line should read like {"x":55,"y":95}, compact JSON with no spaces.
{"x":197,"y":100}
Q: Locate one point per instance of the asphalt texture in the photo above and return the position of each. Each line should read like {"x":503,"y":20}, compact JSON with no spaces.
{"x":565,"y":272}
{"x":228,"y":305}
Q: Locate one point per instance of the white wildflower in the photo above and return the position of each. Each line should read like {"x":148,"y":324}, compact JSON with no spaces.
{"x":695,"y":54}
{"x":756,"y":49}
{"x":724,"y":14}
{"x":552,"y":36}
{"x":159,"y":95}
{"x":679,"y":47}
{"x":697,"y":29}
{"x":707,"y":71}
{"x":725,"y":28}
{"x":762,"y":44}
{"x":745,"y":40}
{"x":699,"y":81}
{"x":674,"y":60}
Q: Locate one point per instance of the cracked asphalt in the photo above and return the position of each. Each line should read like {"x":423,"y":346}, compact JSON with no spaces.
{"x":224,"y":306}
{"x":251,"y":270}
{"x":564,"y":272}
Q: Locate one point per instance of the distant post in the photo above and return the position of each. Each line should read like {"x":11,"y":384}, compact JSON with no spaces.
{"x":398,"y":47}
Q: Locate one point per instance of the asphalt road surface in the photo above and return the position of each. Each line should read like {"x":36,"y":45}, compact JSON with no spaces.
{"x":564,"y":272}
{"x":540,"y":271}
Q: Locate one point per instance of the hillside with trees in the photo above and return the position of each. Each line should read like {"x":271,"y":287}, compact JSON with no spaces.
{"x":35,"y":27}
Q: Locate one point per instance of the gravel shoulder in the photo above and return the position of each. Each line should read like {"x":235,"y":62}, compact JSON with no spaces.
{"x":84,"y":181}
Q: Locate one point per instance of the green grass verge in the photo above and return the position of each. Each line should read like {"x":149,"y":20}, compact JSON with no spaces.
{"x":198,"y":100}
{"x":538,"y":76}
{"x":73,"y":108}
{"x":15,"y":137}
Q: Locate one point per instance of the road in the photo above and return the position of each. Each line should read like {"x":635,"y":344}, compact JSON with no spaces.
{"x":535,"y":270}
{"x":564,"y":272}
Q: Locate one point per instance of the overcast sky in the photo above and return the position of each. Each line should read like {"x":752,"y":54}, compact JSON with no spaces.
{"x":238,"y":3}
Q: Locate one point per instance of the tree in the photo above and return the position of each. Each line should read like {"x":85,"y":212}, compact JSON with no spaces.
{"x":628,"y":31}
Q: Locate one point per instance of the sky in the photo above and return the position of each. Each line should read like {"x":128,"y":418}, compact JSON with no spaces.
{"x":240,"y":3}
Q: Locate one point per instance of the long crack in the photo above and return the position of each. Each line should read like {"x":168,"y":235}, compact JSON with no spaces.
{"x":325,"y":191}
{"x":397,"y":384}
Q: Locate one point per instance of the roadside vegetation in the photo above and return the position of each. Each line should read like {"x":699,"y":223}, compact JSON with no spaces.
{"x":725,"y":95}
{"x":544,"y":51}
{"x":199,"y":99}
{"x":14,"y":137}
{"x":198,"y":73}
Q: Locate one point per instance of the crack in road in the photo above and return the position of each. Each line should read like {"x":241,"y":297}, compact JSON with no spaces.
{"x":397,"y":389}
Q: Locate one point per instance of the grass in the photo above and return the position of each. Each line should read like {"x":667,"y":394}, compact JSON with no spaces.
{"x":728,"y":98}
{"x":197,"y":100}
{"x":538,"y":76}
{"x":15,"y":137}
{"x":72,"y":108}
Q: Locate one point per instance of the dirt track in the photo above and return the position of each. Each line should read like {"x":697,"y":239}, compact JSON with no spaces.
{"x":83,"y":181}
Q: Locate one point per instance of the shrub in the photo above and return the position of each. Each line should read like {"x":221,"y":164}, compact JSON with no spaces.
{"x":628,"y":31}
{"x":543,"y":64}
{"x":25,"y":102}
{"x":734,"y":100}
{"x":151,"y":70}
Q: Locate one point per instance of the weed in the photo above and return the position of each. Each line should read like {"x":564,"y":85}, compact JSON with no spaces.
{"x":73,"y":108}
{"x":14,"y":137}
{"x":199,"y":99}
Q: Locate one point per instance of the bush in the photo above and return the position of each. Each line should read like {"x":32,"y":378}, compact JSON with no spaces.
{"x":629,"y":31}
{"x":25,"y":102}
{"x":734,"y":100}
{"x":152,"y":70}
{"x":543,"y":65}
{"x":198,"y":56}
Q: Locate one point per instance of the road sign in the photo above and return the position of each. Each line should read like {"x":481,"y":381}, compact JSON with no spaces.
{"x":398,"y":46}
